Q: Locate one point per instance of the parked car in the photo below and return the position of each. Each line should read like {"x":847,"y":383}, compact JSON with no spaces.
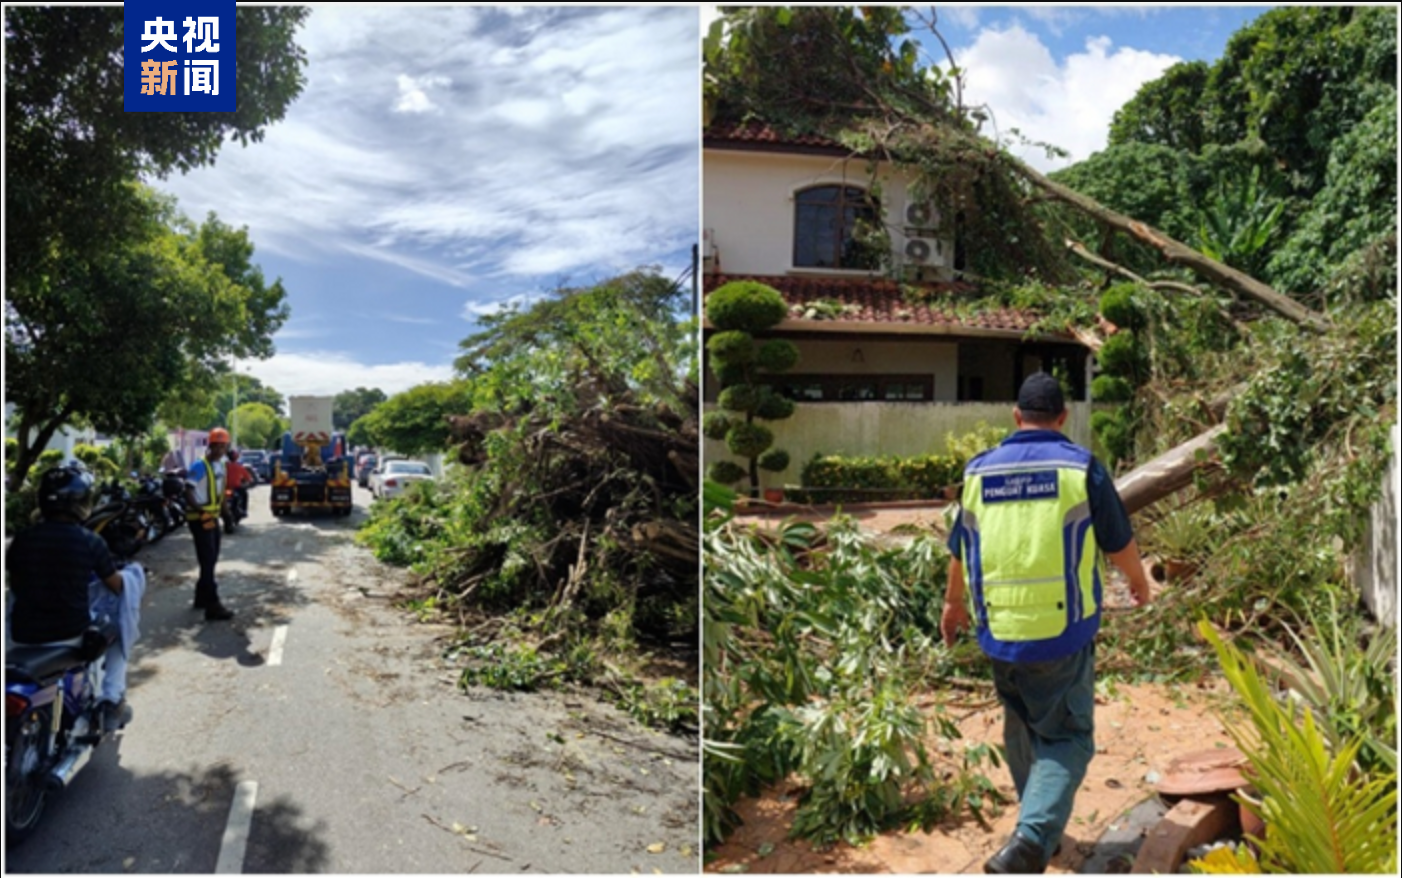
{"x":364,"y":465}
{"x":257,"y":461}
{"x":395,"y":476}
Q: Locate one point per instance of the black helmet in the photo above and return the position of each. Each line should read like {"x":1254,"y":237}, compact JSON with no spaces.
{"x":66,"y":492}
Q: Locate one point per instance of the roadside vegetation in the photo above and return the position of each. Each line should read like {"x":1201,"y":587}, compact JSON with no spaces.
{"x":564,"y":541}
{"x":1232,"y":257}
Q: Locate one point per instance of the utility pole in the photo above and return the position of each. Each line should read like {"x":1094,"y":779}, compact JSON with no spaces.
{"x":695,"y":283}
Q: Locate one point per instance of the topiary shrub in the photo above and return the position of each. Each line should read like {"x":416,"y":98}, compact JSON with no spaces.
{"x":726,"y":472}
{"x":1118,"y":305}
{"x":739,"y":310}
{"x":1111,"y":388}
{"x":745,"y":305}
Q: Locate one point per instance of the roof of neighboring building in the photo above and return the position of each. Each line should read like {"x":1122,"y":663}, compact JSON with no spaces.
{"x":881,"y":304}
{"x":756,"y":134}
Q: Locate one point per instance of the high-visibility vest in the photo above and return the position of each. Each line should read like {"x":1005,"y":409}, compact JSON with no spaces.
{"x":214,"y":495}
{"x":1029,"y":550}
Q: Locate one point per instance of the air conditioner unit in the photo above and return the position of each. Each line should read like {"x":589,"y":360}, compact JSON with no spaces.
{"x":926,"y":252}
{"x":921,"y":211}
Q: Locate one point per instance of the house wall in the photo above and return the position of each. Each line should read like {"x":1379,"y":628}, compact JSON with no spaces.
{"x":883,"y":358}
{"x":748,"y":207}
{"x":876,"y":428}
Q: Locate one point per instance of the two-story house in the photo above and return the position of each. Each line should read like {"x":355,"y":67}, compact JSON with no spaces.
{"x":881,"y":371}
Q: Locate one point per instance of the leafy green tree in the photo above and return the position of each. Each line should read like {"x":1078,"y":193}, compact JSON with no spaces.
{"x":1167,"y":111}
{"x":71,"y":150}
{"x":254,"y":425}
{"x":352,"y":405}
{"x":623,"y":336}
{"x":415,"y":421}
{"x":107,"y":338}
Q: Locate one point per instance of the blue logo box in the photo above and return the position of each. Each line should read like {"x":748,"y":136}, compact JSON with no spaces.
{"x":179,"y":56}
{"x":1040,"y":485}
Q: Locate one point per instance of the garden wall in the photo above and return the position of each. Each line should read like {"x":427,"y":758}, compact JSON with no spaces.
{"x":875,"y":428}
{"x":1374,"y":566}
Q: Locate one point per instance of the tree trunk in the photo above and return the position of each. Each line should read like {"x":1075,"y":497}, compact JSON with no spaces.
{"x":30,"y":449}
{"x":1168,"y":473}
{"x":1214,"y":271}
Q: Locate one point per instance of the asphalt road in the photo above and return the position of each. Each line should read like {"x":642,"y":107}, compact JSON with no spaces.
{"x":321,"y":731}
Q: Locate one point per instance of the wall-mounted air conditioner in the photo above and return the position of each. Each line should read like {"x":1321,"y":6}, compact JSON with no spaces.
{"x":922,"y":215}
{"x":924,"y":252}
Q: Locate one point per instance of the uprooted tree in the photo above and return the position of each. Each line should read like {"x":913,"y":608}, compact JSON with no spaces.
{"x":573,"y":523}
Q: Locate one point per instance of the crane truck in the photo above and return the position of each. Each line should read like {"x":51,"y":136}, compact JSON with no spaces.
{"x":314,"y":471}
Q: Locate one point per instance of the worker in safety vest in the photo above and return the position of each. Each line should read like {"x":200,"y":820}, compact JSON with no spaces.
{"x":1035,"y":512}
{"x":204,"y":491}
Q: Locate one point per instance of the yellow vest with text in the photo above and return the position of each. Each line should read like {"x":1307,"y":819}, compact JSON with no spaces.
{"x":1029,"y":550}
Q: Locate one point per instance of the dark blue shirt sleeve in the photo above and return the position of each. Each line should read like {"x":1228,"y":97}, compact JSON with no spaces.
{"x":1107,"y":512}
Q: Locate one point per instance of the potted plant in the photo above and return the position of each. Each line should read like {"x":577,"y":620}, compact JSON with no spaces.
{"x":1181,"y":540}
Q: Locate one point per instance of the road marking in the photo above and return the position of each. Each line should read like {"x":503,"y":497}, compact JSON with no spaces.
{"x":275,"y":651}
{"x":235,"y":842}
{"x":292,"y":575}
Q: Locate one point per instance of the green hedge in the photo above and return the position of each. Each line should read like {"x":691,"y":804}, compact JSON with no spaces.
{"x":837,"y":479}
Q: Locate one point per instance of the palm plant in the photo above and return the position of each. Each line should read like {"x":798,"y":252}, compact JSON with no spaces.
{"x":1323,"y":814}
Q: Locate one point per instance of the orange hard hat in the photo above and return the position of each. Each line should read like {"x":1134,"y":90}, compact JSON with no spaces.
{"x":219,"y":435}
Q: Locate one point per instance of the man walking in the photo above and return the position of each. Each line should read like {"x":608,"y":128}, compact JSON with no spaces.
{"x":204,"y":487}
{"x":1033,"y":512}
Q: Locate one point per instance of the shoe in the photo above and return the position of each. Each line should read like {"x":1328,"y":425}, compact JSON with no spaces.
{"x":218,"y":613}
{"x":112,"y":715}
{"x":199,"y":605}
{"x":1020,"y":856}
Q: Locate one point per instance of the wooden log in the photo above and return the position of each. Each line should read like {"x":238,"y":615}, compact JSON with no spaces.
{"x":1168,"y":473}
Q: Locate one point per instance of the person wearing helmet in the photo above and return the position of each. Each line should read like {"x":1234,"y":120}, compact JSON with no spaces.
{"x":204,"y":492}
{"x":239,"y":480}
{"x":50,"y":565}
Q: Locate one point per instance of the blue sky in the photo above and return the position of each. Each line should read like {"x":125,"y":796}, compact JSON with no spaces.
{"x":443,"y":162}
{"x":1058,"y":73}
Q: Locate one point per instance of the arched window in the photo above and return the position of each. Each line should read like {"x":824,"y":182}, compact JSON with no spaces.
{"x":825,"y":220}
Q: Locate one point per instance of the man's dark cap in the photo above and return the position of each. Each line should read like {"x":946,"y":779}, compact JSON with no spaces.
{"x":1041,"y":393}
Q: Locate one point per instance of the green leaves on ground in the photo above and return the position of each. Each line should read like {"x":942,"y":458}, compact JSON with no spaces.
{"x":815,"y":646}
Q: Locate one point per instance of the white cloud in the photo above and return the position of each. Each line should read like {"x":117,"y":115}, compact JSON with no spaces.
{"x":1068,"y":104}
{"x":327,"y":373}
{"x":961,"y":16}
{"x":412,"y":95}
{"x":472,"y":310}
{"x":508,"y":144}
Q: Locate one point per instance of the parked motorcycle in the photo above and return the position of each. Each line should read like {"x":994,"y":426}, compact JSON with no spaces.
{"x":122,"y":523}
{"x":51,"y":722}
{"x":156,"y":506}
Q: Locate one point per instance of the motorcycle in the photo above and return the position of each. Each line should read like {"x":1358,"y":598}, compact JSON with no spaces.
{"x":156,"y":506}
{"x":235,"y":508}
{"x":122,"y":523}
{"x":52,"y":723}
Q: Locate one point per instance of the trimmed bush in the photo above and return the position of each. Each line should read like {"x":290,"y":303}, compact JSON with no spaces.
{"x":740,"y":398}
{"x":774,"y":407}
{"x":749,"y":440}
{"x":1123,"y":355}
{"x":1113,"y":434}
{"x":714,"y":425}
{"x":745,"y":305}
{"x":775,"y":460}
{"x":778,"y":355}
{"x":732,"y":348}
{"x":728,"y":374}
{"x":1111,"y":388}
{"x":726,"y":472}
{"x":1118,"y":305}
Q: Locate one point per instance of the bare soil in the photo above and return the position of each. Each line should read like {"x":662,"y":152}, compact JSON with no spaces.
{"x":1140,"y":729}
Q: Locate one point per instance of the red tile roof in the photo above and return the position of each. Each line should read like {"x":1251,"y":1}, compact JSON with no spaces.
{"x":761,"y":134}
{"x":882,"y":301}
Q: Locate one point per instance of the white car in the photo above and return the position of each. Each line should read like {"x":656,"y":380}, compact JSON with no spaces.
{"x":394,"y":475}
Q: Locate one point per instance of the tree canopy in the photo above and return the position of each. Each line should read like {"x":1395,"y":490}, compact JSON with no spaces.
{"x":70,"y":148}
{"x":352,"y":405}
{"x":106,"y":339}
{"x":415,"y":421}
